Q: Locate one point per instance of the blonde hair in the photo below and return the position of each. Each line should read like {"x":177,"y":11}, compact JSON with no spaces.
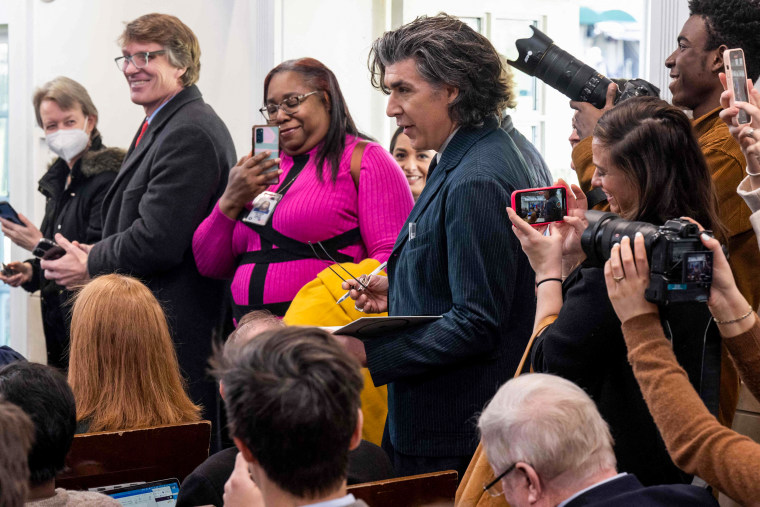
{"x":123,"y":367}
{"x":68,"y":94}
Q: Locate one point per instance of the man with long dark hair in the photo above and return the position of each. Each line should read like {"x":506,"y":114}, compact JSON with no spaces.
{"x":456,"y":255}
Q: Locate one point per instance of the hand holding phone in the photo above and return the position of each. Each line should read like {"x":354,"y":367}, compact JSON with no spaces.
{"x":540,"y":206}
{"x":736,"y":79}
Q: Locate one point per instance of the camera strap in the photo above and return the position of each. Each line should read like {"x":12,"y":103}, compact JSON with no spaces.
{"x":595,"y":196}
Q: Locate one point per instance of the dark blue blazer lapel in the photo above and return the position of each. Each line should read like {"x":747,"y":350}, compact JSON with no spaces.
{"x":450,"y":158}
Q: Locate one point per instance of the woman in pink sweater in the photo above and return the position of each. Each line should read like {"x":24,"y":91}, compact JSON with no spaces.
{"x":317,"y":198}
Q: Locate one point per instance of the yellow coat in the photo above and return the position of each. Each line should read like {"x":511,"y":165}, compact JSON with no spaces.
{"x":314,"y":305}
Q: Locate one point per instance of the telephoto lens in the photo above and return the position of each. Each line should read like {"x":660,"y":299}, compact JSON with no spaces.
{"x":605,"y":229}
{"x":540,"y":57}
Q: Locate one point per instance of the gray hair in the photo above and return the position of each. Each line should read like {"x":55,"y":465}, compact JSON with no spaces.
{"x":67,"y":93}
{"x":549,"y":423}
{"x":447,"y":52}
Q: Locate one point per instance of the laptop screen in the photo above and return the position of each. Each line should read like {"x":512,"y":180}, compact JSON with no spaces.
{"x":159,"y":493}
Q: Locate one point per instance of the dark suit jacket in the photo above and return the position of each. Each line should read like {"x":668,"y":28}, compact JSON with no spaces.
{"x":627,"y":491}
{"x":205,"y":485}
{"x":465,"y":264}
{"x":165,"y":188}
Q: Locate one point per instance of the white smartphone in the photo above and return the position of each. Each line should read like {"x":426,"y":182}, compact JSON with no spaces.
{"x":736,"y":78}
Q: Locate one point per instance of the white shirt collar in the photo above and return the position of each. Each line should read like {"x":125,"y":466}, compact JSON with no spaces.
{"x":336,"y":502}
{"x":443,"y":146}
{"x":579,"y":493}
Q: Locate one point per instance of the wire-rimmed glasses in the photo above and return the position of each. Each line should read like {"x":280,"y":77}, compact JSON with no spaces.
{"x":494,"y":487}
{"x":289,"y":106}
{"x":139,"y":59}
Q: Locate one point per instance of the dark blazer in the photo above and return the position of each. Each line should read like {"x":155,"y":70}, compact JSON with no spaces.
{"x":165,"y":188}
{"x":465,"y":264}
{"x":627,"y":491}
{"x":205,"y":485}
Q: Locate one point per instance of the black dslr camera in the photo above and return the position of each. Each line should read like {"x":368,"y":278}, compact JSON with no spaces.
{"x":680,"y":265}
{"x":540,"y":57}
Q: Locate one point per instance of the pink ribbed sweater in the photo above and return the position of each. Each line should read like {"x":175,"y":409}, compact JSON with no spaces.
{"x":311,"y":211}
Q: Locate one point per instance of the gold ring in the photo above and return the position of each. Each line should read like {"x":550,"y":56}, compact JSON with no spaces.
{"x":617,"y":278}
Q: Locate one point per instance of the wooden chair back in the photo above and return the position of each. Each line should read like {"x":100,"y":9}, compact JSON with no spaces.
{"x":427,"y":489}
{"x":148,"y":454}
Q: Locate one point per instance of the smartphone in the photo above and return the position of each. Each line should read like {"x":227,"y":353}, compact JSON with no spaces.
{"x":48,"y":250}
{"x":736,"y":78}
{"x":8,"y":213}
{"x":540,"y":206}
{"x":267,"y":138}
{"x":7,"y":270}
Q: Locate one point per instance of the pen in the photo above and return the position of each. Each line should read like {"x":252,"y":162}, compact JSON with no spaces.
{"x":374,"y":272}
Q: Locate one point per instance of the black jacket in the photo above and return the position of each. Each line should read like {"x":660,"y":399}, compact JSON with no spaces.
{"x":165,"y":188}
{"x":75,"y":212}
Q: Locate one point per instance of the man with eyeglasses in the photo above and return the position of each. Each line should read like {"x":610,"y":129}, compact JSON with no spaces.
{"x":174,"y":172}
{"x":548,"y":445}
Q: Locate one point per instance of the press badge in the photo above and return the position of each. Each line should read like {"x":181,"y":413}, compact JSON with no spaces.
{"x":263,"y":207}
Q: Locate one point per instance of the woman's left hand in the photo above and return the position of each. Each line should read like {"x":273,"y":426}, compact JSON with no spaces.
{"x":627,"y":277}
{"x":544,"y":252}
{"x":26,"y":236}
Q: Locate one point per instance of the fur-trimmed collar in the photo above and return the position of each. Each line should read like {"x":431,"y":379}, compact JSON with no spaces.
{"x":105,"y":160}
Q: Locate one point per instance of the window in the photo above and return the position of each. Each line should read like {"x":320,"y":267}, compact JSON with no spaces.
{"x":5,"y":244}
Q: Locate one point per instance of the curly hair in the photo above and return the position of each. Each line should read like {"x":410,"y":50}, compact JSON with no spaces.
{"x":447,"y":52}
{"x":734,"y":23}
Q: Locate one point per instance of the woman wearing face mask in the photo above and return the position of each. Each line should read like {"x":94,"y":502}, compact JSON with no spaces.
{"x":414,"y":163}
{"x":74,"y":187}
{"x":318,"y":197}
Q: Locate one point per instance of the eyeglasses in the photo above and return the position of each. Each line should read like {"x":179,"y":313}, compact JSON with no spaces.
{"x":494,"y":487}
{"x":139,"y":60}
{"x":336,"y":262}
{"x":288,"y":106}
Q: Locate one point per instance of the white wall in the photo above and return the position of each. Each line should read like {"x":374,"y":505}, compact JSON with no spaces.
{"x":241,"y":40}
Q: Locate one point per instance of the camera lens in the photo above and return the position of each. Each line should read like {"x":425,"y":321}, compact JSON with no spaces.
{"x":259,"y":135}
{"x":540,"y":57}
{"x":605,"y":229}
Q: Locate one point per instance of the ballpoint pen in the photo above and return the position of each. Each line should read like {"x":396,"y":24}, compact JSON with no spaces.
{"x":374,"y":272}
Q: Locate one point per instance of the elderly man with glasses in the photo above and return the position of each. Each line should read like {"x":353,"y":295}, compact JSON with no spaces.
{"x":548,"y":445}
{"x":174,"y":171}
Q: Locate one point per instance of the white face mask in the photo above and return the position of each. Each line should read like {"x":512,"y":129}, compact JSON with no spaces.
{"x":68,"y":143}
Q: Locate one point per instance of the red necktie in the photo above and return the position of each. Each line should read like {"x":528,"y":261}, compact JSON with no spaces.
{"x":142,"y":131}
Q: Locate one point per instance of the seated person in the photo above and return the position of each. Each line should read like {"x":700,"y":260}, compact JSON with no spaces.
{"x":123,"y":368}
{"x":8,"y":356}
{"x":205,"y":485}
{"x":16,"y":437}
{"x":696,"y":441}
{"x":548,"y":445}
{"x":294,"y":411}
{"x":43,"y":394}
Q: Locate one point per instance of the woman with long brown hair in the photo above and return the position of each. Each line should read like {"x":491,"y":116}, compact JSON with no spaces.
{"x":123,"y":368}
{"x":650,"y":166}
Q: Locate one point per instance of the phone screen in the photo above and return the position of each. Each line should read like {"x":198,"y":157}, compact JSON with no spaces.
{"x":541,"y":205}
{"x":738,"y":77}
